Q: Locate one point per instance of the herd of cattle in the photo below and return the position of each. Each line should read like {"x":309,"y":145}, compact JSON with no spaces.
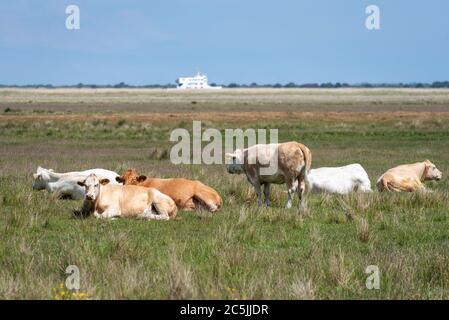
{"x":108,"y":195}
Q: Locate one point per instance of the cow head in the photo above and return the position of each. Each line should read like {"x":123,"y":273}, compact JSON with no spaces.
{"x":131,"y":177}
{"x":92,"y":186}
{"x":41,"y":178}
{"x":431,"y":172}
{"x":235,"y":162}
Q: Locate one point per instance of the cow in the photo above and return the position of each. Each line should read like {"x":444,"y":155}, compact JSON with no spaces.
{"x":64,"y":185}
{"x":339,"y":180}
{"x":188,"y":194}
{"x":264,"y":164}
{"x":108,"y":201}
{"x":408,"y":177}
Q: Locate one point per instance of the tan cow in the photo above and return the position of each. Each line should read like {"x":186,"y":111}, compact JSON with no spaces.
{"x":110,"y":201}
{"x":187,"y":194}
{"x":265,"y":164}
{"x":408,"y":177}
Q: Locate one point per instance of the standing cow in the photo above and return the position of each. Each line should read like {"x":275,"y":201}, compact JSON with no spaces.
{"x":276,"y":163}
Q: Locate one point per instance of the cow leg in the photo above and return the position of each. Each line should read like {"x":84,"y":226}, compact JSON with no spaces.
{"x":289,"y":200}
{"x":207,"y":199}
{"x":292,"y":186}
{"x":148,"y":214}
{"x":259,"y":193}
{"x":189,"y":205}
{"x":156,"y":212}
{"x":107,"y":214}
{"x":210,"y":206}
{"x":256,"y":184}
{"x":422,"y":188}
{"x":301,"y":193}
{"x":266,"y":191}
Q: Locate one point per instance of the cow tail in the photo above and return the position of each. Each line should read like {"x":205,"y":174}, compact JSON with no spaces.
{"x":307,"y":158}
{"x":307,"y":164}
{"x":304,"y":173}
{"x":382,"y":184}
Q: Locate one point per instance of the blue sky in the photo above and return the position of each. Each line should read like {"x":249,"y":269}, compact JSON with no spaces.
{"x":266,"y":41}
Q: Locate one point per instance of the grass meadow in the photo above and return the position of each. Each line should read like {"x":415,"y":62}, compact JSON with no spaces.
{"x":242,"y":251}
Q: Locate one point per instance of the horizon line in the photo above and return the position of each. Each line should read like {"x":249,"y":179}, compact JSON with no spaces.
{"x":291,"y":84}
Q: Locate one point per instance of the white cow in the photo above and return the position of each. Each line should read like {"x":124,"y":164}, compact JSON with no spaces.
{"x":340,"y":180}
{"x":65,"y":185}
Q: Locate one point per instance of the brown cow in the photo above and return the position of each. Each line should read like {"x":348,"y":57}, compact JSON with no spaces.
{"x":187,"y":194}
{"x":408,"y":177}
{"x":264,"y":164}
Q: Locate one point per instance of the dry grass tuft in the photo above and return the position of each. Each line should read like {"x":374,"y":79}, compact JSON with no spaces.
{"x":303,"y":289}
{"x":340,"y":272}
{"x":363,"y":230}
{"x":181,"y":280}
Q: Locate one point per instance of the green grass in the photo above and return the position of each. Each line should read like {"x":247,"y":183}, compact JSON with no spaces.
{"x":243,"y":251}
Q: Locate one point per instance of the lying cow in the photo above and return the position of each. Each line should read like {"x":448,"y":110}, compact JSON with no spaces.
{"x":111,"y":201}
{"x":187,"y":194}
{"x":408,"y":177}
{"x":65,"y":185}
{"x":340,"y":180}
{"x":265,"y":164}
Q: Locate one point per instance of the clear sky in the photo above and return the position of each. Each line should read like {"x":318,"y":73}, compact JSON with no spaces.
{"x":266,"y":41}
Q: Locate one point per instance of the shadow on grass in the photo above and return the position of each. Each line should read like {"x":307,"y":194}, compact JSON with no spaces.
{"x":80,"y":214}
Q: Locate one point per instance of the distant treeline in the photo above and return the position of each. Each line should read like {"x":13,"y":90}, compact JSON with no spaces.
{"x":436,"y":84}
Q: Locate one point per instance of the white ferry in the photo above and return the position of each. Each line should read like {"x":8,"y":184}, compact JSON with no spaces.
{"x":199,"y":81}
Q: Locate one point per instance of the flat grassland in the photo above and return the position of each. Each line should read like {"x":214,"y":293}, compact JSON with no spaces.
{"x":243,"y":251}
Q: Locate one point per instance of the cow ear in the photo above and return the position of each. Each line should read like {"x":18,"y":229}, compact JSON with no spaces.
{"x":104,"y":181}
{"x":237,"y":154}
{"x":81,"y":183}
{"x":229,"y":155}
{"x":141,"y":178}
